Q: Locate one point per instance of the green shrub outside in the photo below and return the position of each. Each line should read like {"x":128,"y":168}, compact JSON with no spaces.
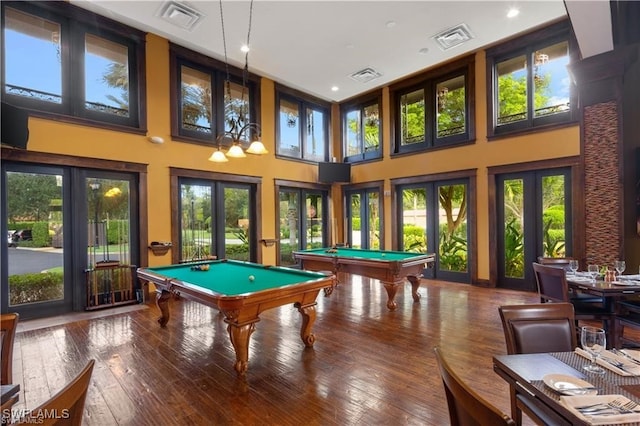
{"x":35,"y":287}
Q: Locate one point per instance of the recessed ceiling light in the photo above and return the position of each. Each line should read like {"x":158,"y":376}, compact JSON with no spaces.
{"x":390,"y":24}
{"x":513,"y":12}
{"x":423,"y":51}
{"x":244,"y":48}
{"x":335,"y":88}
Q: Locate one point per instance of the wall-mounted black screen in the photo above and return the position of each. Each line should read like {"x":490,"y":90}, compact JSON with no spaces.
{"x":15,"y":126}
{"x":334,"y":172}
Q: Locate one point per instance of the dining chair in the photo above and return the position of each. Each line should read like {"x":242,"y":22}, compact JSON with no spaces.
{"x":8,"y":324}
{"x":553,"y":287}
{"x":536,"y":328}
{"x":67,"y":406}
{"x":466,"y":407}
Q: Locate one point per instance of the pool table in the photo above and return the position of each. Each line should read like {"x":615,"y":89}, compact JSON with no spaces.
{"x":241,"y":291}
{"x":390,"y":267}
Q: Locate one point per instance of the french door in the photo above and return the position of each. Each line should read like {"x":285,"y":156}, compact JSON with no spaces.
{"x":217,"y":219}
{"x":364,"y":225}
{"x":302,"y":222}
{"x":61,"y":223}
{"x":534,"y":219}
{"x":434,"y":220}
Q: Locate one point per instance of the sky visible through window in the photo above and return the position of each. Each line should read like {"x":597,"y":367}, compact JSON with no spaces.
{"x":34,"y":63}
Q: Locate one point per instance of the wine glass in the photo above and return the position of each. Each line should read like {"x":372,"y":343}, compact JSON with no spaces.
{"x":593,"y":340}
{"x":620,"y":266}
{"x":574,"y":265}
{"x":594,"y":271}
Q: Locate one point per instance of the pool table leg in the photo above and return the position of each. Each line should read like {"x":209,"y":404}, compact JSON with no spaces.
{"x":240,"y":334}
{"x":308,"y":313}
{"x":162,"y":300}
{"x":415,"y":284}
{"x":392,"y":289}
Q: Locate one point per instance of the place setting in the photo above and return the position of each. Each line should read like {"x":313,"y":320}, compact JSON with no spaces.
{"x":582,"y":397}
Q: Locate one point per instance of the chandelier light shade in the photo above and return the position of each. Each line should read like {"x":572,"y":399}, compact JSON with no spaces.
{"x":236,"y":152}
{"x":218,"y":157}
{"x":257,"y":148}
{"x":238,"y":128}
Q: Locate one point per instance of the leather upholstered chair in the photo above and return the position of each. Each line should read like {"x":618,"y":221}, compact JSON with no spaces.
{"x":536,"y":328}
{"x":466,"y":407}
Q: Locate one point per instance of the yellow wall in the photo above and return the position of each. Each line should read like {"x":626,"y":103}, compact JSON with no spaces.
{"x":57,"y":137}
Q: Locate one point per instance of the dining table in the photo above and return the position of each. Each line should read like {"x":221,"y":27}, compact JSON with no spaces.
{"x":529,"y":375}
{"x":610,"y":292}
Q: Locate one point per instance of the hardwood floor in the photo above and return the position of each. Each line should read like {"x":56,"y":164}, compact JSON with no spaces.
{"x":369,"y":366}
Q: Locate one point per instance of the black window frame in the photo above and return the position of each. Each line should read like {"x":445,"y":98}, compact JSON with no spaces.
{"x":180,"y":56}
{"x":304,"y":102}
{"x":428,"y":82}
{"x":360,"y":104}
{"x":74,"y":23}
{"x":527,"y":45}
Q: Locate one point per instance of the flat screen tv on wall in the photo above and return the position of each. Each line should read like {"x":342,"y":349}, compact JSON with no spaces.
{"x":334,"y":172}
{"x":15,"y":126}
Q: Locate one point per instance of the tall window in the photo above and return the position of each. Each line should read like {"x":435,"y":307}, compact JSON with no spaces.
{"x":89,"y":71}
{"x":302,"y":127}
{"x":361,"y":130}
{"x":531,"y":84}
{"x":435,"y":109}
{"x":204,"y":102}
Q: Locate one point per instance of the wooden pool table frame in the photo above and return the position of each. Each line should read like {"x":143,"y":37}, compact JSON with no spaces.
{"x":391,"y":273}
{"x":242,"y":311}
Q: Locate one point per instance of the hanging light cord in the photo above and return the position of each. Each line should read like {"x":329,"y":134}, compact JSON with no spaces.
{"x":224,"y":45}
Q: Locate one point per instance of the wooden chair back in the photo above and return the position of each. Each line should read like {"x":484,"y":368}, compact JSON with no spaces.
{"x":8,"y":324}
{"x":558,"y":262}
{"x":67,"y":404}
{"x":552,"y":283}
{"x":539,"y":327}
{"x":466,"y":407}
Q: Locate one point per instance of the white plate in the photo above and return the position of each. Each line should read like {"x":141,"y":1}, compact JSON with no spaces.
{"x":564,"y":383}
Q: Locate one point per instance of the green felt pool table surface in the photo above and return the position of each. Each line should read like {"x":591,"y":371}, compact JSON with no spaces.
{"x":382,"y":255}
{"x":228,"y":277}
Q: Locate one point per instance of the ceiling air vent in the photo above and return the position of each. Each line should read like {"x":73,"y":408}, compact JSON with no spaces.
{"x":365,"y":75}
{"x":453,"y":37}
{"x":180,"y":15}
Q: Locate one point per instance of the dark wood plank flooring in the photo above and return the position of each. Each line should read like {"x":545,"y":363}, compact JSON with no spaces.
{"x":369,"y":366}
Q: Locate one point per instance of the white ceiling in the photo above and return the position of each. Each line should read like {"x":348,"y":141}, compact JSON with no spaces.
{"x":315,"y":45}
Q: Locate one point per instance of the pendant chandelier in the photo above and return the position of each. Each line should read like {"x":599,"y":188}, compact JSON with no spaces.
{"x":238,"y":128}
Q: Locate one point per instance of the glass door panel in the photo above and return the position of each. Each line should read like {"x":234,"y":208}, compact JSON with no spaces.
{"x":289,"y":226}
{"x":553,"y":213}
{"x":374,"y":220}
{"x":414,"y":220}
{"x":355,"y":221}
{"x":34,"y":216}
{"x":108,"y":222}
{"x":513,"y":239}
{"x":452,"y":227}
{"x":314,"y":222}
{"x":196,"y":219}
{"x":237,"y":223}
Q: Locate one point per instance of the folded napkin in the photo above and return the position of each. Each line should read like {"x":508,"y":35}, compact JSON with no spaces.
{"x":580,"y":279}
{"x":635,"y":277}
{"x":606,"y":358}
{"x":571,"y":402}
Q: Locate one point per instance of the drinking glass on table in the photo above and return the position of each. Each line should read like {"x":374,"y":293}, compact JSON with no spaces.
{"x":574,"y":265}
{"x":620,"y":266}
{"x":594,"y":271}
{"x":593,"y":341}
